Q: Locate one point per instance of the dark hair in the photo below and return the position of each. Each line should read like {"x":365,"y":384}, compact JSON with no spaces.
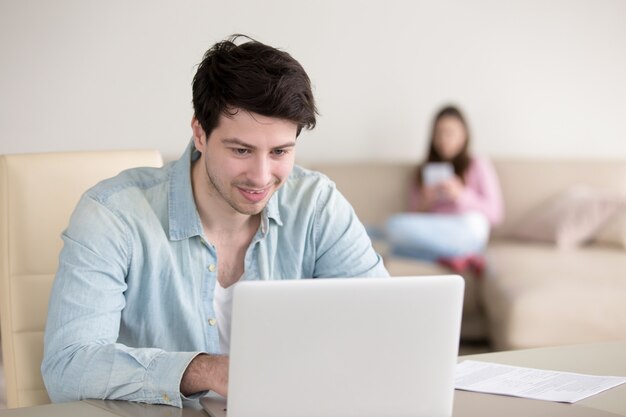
{"x":460,"y":161}
{"x":253,"y":77}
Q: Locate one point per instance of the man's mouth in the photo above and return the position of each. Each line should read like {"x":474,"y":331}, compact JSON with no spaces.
{"x":254,"y":196}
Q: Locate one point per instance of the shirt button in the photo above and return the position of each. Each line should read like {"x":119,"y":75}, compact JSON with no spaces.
{"x":211,"y":268}
{"x":212,"y":322}
{"x":166,"y":398}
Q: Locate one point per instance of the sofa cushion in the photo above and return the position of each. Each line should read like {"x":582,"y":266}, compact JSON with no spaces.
{"x":570,"y":218}
{"x":539,"y":295}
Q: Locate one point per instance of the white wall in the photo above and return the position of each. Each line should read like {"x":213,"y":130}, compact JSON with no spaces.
{"x":535,"y":77}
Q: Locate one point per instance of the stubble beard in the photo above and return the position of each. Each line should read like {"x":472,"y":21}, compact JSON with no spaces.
{"x":249,"y":210}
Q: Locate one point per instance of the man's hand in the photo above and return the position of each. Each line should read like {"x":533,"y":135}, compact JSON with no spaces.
{"x":206,"y":373}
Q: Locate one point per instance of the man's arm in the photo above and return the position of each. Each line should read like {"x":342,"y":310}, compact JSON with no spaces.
{"x":344,"y":249}
{"x":206,"y":373}
{"x":82,"y":358}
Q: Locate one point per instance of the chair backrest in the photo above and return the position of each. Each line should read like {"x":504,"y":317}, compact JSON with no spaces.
{"x":38,"y":193}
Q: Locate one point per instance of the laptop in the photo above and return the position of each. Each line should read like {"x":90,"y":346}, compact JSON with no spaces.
{"x":343,"y":347}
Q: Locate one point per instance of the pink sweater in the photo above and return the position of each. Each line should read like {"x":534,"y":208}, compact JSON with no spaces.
{"x":482,"y":193}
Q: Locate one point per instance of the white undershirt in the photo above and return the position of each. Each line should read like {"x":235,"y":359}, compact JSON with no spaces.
{"x":223,"y":306}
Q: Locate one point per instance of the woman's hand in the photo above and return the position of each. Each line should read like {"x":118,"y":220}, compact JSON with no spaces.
{"x":428,"y":197}
{"x":450,"y":189}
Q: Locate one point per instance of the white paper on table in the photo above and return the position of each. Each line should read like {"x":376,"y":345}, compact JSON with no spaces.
{"x":539,"y":384}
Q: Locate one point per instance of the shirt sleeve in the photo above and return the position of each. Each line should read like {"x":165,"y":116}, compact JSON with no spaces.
{"x":343,"y":248}
{"x":81,"y":357}
{"x":482,"y":191}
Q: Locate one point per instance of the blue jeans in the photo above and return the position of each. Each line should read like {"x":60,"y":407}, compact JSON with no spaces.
{"x":432,"y":236}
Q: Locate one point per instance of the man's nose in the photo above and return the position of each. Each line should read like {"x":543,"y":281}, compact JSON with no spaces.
{"x":260,"y":173}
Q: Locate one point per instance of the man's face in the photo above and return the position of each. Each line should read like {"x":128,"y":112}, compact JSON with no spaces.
{"x":247,"y":157}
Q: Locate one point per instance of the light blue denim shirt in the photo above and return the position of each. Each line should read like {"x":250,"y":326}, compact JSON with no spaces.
{"x":132,"y":302}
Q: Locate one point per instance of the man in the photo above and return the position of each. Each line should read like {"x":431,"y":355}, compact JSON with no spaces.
{"x":140,"y":307}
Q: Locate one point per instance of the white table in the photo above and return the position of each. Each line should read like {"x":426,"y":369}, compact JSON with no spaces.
{"x":597,"y":358}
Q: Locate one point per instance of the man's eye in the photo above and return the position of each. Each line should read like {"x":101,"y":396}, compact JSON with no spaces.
{"x":241,"y":151}
{"x":280,"y":152}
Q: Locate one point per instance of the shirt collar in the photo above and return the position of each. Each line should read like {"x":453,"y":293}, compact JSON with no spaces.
{"x":184,"y":220}
{"x":271,"y":211}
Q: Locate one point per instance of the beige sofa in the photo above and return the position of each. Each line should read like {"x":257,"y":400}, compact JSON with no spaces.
{"x":533,"y":293}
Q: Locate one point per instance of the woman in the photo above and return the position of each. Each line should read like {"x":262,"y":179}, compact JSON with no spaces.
{"x":453,"y":202}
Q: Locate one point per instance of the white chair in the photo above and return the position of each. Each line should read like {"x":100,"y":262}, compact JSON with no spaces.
{"x":37,"y":195}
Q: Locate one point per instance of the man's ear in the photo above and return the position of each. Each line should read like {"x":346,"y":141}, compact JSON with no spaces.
{"x":199,"y":136}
